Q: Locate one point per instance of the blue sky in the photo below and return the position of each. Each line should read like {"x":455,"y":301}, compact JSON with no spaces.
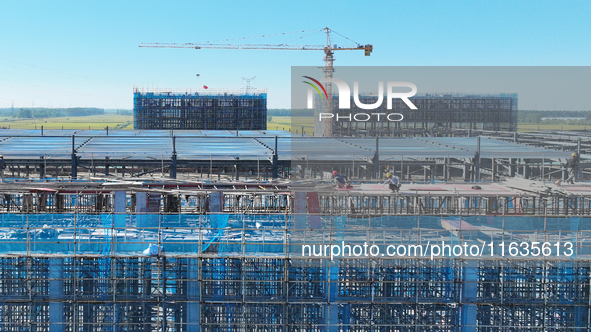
{"x":81,"y":53}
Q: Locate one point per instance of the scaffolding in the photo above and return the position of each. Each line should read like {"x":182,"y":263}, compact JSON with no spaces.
{"x":436,"y":113}
{"x":200,"y":110}
{"x":269,"y":200}
{"x":263,"y":294}
{"x":235,"y":260}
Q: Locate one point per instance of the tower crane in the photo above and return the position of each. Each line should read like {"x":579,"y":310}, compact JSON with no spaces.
{"x":328,"y":49}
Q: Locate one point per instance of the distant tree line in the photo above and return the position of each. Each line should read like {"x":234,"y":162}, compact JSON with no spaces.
{"x":29,"y":113}
{"x":289,"y":112}
{"x":537,"y":117}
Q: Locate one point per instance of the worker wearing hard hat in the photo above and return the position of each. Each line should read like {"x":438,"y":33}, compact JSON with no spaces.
{"x":572,"y":165}
{"x":393,"y":182}
{"x":340,"y":181}
{"x":2,"y":167}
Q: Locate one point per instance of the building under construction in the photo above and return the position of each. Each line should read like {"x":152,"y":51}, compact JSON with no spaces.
{"x":114,"y":253}
{"x":200,"y":110}
{"x":435,"y":113}
{"x":103,"y":257}
{"x":261,"y":155}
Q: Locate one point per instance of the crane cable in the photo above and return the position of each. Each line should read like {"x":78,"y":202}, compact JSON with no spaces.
{"x":345,"y":37}
{"x":315,"y":32}
{"x":275,"y":34}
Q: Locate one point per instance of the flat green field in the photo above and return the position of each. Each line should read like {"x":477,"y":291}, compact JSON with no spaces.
{"x":114,"y":121}
{"x":285,"y":123}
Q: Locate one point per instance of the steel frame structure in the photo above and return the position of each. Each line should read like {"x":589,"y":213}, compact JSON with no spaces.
{"x":200,"y":110}
{"x":70,"y":262}
{"x":197,"y":157}
{"x":435,"y":114}
{"x":240,"y":199}
{"x":83,"y":271}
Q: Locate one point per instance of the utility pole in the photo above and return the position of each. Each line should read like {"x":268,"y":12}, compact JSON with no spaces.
{"x":248,"y":80}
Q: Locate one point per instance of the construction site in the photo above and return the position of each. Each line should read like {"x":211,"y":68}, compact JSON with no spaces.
{"x":103,"y":232}
{"x":200,"y":219}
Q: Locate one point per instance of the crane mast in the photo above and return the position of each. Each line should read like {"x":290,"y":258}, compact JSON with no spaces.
{"x":324,"y":128}
{"x":320,"y":129}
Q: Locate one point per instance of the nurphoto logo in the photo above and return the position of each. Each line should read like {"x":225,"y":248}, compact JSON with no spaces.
{"x":345,"y":98}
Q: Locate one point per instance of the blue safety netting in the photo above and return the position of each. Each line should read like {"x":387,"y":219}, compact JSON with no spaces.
{"x":104,"y":234}
{"x":486,"y":232}
{"x":229,"y":234}
{"x":255,"y":235}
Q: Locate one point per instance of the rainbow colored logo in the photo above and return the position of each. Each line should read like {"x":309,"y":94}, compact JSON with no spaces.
{"x":319,"y":84}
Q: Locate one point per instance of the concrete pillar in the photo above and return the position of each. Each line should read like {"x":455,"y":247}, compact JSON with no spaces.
{"x":173,"y":166}
{"x":173,"y":157}
{"x":107,"y":165}
{"x":494,"y":169}
{"x":333,"y":316}
{"x":466,"y":171}
{"x":147,"y":206}
{"x":74,"y":172}
{"x":216,"y":201}
{"x":526,"y":169}
{"x":314,"y":210}
{"x":469,"y":296}
{"x":141,"y":202}
{"x":331,"y":309}
{"x":120,"y":200}
{"x":42,"y":168}
{"x":56,"y":293}
{"x":376,"y":160}
{"x":300,"y":210}
{"x":145,"y":320}
{"x":579,"y":174}
{"x":275,"y":161}
{"x":193,"y":296}
{"x":477,"y":161}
